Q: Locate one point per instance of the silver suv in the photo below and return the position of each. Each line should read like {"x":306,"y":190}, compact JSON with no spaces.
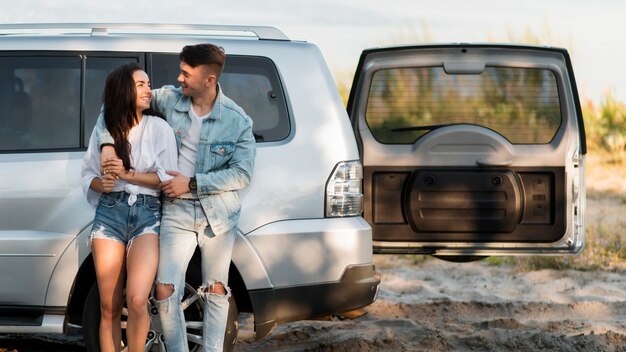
{"x":460,"y":151}
{"x":303,"y":249}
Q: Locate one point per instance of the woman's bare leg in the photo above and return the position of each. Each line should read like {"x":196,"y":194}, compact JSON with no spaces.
{"x":141,"y":267}
{"x":109,"y":256}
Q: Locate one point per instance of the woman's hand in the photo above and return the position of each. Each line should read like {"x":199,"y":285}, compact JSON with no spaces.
{"x":108,"y":182}
{"x":115,"y":166}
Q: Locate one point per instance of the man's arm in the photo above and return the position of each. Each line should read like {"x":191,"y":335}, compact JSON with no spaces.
{"x":105,"y":140}
{"x":102,"y":134}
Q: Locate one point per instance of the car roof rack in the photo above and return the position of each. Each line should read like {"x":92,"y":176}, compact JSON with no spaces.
{"x":129,"y":29}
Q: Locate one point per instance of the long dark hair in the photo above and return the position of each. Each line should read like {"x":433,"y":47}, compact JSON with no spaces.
{"x":120,"y":108}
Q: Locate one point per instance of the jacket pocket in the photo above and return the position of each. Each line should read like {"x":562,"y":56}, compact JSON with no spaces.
{"x":220,"y":153}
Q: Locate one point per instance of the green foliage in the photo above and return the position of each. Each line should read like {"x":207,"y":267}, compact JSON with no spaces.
{"x":606,"y":127}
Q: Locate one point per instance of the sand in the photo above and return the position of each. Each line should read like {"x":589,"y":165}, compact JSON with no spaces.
{"x":441,"y":306}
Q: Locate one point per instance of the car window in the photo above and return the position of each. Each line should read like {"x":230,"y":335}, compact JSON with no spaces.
{"x":39,"y":102}
{"x":521,"y":104}
{"x":252,"y":82}
{"x":98,"y":68}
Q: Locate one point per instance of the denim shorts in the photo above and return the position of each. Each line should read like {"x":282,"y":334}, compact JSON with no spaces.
{"x":116,"y":220}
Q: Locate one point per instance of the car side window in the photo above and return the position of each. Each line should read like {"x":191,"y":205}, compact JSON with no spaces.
{"x":521,"y":104}
{"x":97,"y":70}
{"x":39,"y":102}
{"x":251,"y":81}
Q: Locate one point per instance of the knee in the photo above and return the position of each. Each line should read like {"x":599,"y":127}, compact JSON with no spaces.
{"x":217,"y":288}
{"x":136,"y":303}
{"x":163,"y":291}
{"x":110,"y":310}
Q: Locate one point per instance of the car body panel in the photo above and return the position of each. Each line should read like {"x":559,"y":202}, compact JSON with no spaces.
{"x":43,"y":208}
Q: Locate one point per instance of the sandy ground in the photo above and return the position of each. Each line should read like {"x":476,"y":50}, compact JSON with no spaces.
{"x":440,"y":306}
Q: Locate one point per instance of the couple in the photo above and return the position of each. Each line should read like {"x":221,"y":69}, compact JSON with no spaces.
{"x":198,"y":164}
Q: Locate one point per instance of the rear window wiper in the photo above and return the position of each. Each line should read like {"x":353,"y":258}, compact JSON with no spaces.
{"x":421,"y":128}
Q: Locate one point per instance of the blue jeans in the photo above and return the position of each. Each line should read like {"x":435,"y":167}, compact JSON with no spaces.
{"x":184,"y":227}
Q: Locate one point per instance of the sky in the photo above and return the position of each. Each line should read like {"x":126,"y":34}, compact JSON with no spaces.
{"x":594,"y":32}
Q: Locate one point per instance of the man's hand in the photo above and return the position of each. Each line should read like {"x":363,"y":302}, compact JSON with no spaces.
{"x":108,"y":182}
{"x":176,"y":186}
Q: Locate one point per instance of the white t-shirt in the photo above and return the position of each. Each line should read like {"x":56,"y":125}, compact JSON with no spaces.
{"x":153,"y":149}
{"x":189,"y":149}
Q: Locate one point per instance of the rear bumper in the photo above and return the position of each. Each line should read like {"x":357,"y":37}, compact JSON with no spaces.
{"x":568,"y":245}
{"x":357,"y":288}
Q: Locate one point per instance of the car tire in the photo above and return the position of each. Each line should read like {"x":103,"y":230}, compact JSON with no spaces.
{"x":91,"y":322}
{"x":232,"y":326}
{"x":461,"y":259}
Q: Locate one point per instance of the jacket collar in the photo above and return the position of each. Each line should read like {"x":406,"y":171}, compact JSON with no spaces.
{"x":184,"y":104}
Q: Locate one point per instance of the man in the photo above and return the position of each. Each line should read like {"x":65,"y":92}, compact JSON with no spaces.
{"x":216,"y":150}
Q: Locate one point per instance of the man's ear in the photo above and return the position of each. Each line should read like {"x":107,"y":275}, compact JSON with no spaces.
{"x":211,"y":79}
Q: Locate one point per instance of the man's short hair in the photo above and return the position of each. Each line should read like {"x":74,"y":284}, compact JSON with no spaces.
{"x":204,"y":54}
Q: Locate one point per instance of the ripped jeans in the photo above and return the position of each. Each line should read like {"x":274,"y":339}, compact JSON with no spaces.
{"x":183,"y":227}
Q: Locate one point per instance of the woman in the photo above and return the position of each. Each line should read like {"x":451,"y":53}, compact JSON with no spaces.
{"x":124,"y":237}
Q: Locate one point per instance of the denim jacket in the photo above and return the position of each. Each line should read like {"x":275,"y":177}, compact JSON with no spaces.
{"x":226,"y":152}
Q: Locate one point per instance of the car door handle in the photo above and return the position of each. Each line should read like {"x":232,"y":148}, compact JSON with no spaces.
{"x":480,"y":162}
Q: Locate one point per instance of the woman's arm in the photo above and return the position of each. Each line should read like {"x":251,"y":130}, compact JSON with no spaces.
{"x":92,"y":181}
{"x":116,"y":167}
{"x":104,"y":184}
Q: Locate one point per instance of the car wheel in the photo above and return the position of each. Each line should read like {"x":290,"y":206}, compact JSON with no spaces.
{"x":232,"y":325}
{"x":91,"y":319}
{"x":193,"y":310}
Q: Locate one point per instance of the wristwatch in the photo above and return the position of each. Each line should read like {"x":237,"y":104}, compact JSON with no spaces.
{"x":192,"y":184}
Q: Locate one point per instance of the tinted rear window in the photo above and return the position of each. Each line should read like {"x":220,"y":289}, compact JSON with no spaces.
{"x":522,"y":104}
{"x":49,"y":101}
{"x":252,"y":82}
{"x":39,"y":102}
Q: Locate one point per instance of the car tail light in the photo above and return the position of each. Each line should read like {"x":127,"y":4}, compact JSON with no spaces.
{"x":344,"y":196}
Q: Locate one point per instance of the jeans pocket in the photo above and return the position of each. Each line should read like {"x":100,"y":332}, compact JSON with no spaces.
{"x":153,"y":203}
{"x":109,"y":200}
